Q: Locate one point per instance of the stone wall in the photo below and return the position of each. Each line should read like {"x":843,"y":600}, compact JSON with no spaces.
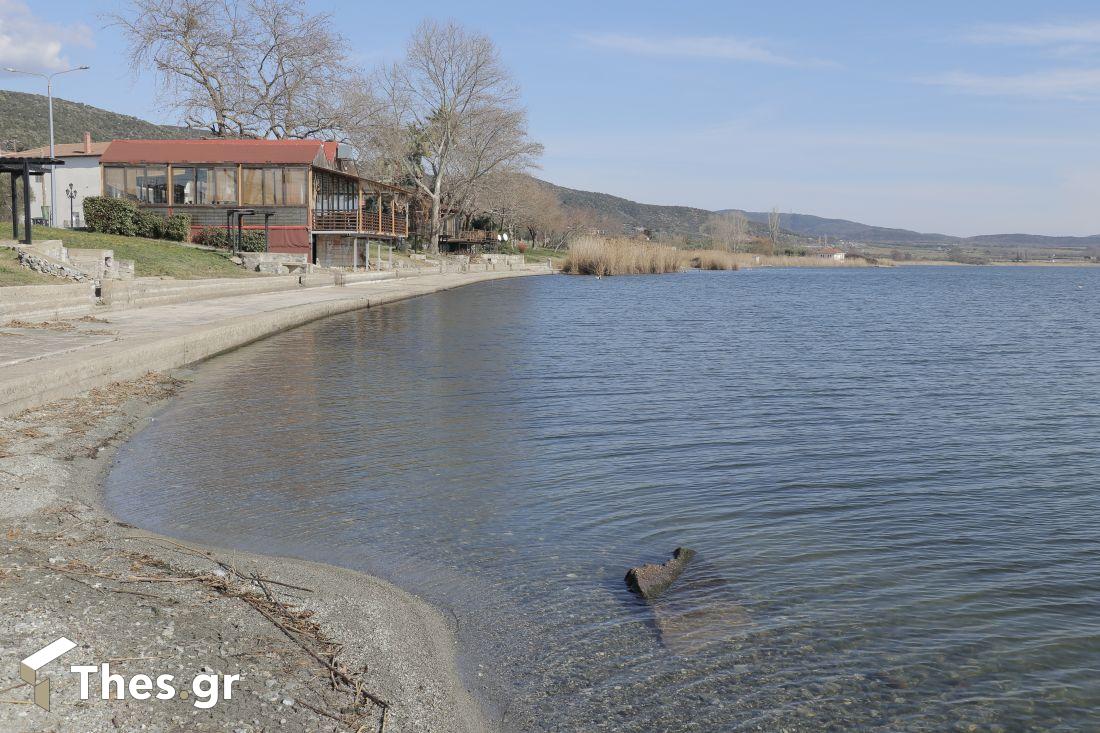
{"x":49,"y":266}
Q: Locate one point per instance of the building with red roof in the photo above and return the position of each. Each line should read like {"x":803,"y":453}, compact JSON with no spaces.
{"x":302,"y":193}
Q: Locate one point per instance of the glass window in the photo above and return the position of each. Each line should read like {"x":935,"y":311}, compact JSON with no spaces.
{"x":151,"y":184}
{"x":273,"y":186}
{"x":115,"y":182}
{"x":294,"y":180}
{"x":183,"y":185}
{"x":204,"y":186}
{"x":225,"y":186}
{"x":252,"y":186}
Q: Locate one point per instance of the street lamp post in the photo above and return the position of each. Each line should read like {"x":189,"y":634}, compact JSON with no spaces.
{"x":49,"y":103}
{"x":71,"y":193}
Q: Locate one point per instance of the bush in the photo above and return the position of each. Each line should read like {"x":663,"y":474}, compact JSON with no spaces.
{"x":110,"y":215}
{"x":177,"y":228}
{"x":147,"y":224}
{"x":251,"y":241}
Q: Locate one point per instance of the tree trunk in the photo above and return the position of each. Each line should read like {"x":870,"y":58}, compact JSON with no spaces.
{"x":435,"y":224}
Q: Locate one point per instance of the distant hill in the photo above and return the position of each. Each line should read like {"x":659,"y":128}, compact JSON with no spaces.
{"x":1032,"y":240}
{"x":664,"y":219}
{"x":668,"y":220}
{"x":816,"y":226}
{"x":24,"y":123}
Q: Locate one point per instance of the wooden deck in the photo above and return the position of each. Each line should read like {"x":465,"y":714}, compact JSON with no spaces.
{"x":474,"y":236}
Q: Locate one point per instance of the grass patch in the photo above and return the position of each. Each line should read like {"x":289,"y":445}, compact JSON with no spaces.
{"x":152,"y":257}
{"x":602,"y":256}
{"x":12,"y":273}
{"x":539,"y":255}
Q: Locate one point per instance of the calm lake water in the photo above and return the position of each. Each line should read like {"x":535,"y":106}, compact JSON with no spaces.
{"x":891,"y":477}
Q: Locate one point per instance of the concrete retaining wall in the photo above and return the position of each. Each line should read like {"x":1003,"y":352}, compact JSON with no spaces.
{"x":364,"y":277}
{"x":46,"y":302}
{"x":145,"y":292}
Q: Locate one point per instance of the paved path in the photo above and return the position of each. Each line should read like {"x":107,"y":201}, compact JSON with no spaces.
{"x":38,"y":365}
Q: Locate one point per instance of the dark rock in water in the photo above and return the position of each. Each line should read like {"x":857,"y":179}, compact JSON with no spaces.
{"x":651,"y":580}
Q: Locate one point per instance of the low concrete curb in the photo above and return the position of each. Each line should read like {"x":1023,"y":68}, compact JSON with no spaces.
{"x":37,"y":382}
{"x":46,"y":302}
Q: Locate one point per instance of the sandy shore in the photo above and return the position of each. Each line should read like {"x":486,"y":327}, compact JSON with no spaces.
{"x":318,"y":648}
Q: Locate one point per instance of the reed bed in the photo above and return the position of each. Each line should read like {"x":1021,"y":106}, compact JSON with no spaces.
{"x":721,"y":260}
{"x":746,"y":259}
{"x":607,"y":256}
{"x":711,"y":259}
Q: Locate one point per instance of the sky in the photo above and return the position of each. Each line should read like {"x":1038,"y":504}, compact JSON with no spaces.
{"x":955,"y":117}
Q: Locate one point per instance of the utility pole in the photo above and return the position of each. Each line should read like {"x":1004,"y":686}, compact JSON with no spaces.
{"x":49,"y":104}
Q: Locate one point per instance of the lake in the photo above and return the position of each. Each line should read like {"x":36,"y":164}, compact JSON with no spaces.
{"x":890,"y":477}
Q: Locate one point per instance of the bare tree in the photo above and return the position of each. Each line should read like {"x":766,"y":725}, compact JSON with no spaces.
{"x":446,"y":117}
{"x":773,"y":227}
{"x":513,"y":200}
{"x":727,"y":231}
{"x":258,"y":68}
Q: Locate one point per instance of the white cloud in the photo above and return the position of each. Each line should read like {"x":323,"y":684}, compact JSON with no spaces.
{"x":1036,"y":34}
{"x":704,"y":47}
{"x":31,"y":44}
{"x":1073,"y":84}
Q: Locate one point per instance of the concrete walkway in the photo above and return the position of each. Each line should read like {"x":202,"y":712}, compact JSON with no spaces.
{"x":39,"y":365}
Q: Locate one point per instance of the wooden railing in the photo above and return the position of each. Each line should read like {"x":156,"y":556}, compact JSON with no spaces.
{"x":335,"y":221}
{"x":385,"y":222}
{"x":474,"y":235}
{"x":373,"y":222}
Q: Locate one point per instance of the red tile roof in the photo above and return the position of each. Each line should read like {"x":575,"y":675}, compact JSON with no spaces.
{"x":287,"y":152}
{"x":61,"y":150}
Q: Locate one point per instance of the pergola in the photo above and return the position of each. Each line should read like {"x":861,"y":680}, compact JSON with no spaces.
{"x":24,"y":168}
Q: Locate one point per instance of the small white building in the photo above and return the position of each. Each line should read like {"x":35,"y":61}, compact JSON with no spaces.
{"x":81,"y":170}
{"x":830,"y":253}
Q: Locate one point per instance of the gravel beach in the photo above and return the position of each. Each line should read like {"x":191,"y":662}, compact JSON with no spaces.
{"x":317,"y":648}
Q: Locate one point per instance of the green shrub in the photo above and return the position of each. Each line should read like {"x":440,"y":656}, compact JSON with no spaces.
{"x":148,"y":225}
{"x":251,"y":241}
{"x":177,"y":228}
{"x":110,"y":215}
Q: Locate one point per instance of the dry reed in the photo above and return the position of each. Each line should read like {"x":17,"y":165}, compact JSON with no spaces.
{"x":711,"y":259}
{"x":604,"y":256}
{"x":744,"y":260}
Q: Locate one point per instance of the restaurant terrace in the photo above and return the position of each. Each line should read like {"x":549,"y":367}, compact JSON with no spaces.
{"x":301,"y":193}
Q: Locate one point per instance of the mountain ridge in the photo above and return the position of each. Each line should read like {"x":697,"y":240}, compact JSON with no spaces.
{"x":24,"y":127}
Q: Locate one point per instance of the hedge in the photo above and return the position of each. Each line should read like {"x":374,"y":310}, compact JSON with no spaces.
{"x":122,"y":216}
{"x":177,"y":227}
{"x":148,"y":225}
{"x":110,"y":215}
{"x":251,"y":240}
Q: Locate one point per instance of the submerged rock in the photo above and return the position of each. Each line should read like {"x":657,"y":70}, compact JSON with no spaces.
{"x":651,"y":580}
{"x":703,"y":612}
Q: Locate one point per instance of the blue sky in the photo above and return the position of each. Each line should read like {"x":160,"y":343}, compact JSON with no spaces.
{"x":954,"y":117}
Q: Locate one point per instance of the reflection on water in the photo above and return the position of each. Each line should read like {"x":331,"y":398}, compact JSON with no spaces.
{"x":890,"y":477}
